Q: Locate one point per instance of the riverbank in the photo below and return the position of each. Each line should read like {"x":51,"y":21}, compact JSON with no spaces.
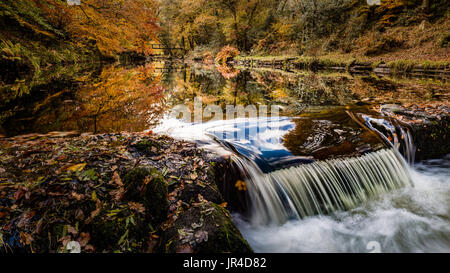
{"x":346,"y":64}
{"x":127,"y":192}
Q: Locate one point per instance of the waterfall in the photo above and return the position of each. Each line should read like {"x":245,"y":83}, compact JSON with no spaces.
{"x":392,"y":131}
{"x":303,"y":187}
{"x":321,"y":187}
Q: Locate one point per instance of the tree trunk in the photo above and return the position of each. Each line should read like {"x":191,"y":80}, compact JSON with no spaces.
{"x":426,"y":5}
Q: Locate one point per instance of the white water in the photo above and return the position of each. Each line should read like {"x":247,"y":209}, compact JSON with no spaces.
{"x":322,"y":187}
{"x":411,"y":219}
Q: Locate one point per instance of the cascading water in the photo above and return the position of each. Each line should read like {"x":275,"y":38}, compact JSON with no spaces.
{"x":392,"y":132}
{"x":336,"y":205}
{"x":321,"y":187}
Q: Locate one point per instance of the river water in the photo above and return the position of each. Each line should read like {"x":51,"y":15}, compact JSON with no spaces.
{"x":372,"y":203}
{"x":413,"y":219}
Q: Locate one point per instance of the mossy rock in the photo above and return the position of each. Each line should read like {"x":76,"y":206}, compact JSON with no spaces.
{"x":205,"y":228}
{"x":148,"y":186}
{"x":119,"y":232}
{"x":148,"y":146}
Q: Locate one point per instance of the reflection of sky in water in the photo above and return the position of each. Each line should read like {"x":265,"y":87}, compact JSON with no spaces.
{"x":258,"y":139}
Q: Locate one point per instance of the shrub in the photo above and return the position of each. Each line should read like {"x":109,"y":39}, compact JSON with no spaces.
{"x":226,"y":54}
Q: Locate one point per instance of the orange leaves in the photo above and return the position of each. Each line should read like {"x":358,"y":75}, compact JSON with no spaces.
{"x":136,"y":207}
{"x":241,"y":185}
{"x":116,"y":26}
{"x":226,"y":54}
{"x":122,"y":99}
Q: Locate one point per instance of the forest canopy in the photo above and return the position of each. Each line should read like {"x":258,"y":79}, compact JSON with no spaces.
{"x":108,"y":26}
{"x":270,"y":25}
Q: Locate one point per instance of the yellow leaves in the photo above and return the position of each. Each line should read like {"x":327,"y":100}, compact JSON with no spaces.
{"x":77,"y":167}
{"x":241,"y":185}
{"x":279,"y":93}
{"x":94,"y":196}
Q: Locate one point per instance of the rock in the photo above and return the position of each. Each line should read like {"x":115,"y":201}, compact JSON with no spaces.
{"x":392,"y":108}
{"x":147,"y":146}
{"x":428,"y":125}
{"x":147,"y":185}
{"x":205,"y":228}
{"x":118,"y":201}
{"x":209,"y":192}
{"x":63,"y":134}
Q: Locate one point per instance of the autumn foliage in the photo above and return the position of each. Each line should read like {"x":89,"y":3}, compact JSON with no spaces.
{"x":110,"y":27}
{"x":226,"y":54}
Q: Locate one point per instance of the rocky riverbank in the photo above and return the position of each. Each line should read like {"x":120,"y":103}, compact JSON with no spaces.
{"x":411,"y":67}
{"x":127,"y":192}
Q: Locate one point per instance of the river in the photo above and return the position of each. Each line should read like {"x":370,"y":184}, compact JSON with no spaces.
{"x":316,"y":179}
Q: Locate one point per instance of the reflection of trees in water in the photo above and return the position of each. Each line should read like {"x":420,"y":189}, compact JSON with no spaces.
{"x":213,"y":88}
{"x":311,"y":89}
{"x":121,"y":99}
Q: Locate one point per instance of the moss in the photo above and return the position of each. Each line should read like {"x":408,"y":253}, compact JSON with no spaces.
{"x":228,"y":237}
{"x":150,"y":187}
{"x":148,"y":146}
{"x":205,"y":218}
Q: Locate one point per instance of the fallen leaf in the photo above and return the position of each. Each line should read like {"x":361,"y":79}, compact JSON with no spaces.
{"x":116,"y":180}
{"x":77,"y":167}
{"x":89,"y":248}
{"x":26,"y":238}
{"x":185,"y":249}
{"x":85,"y":237}
{"x":72,"y":230}
{"x":79,"y":214}
{"x":19,"y":193}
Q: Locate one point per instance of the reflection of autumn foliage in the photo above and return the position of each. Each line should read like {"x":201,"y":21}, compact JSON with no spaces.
{"x":228,"y":72}
{"x":123,"y":99}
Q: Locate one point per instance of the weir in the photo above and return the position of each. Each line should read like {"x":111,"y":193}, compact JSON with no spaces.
{"x":321,"y":187}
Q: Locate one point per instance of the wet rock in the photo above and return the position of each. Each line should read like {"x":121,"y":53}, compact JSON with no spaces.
{"x":331,"y":134}
{"x":428,"y":124}
{"x":209,"y":192}
{"x":204,"y":228}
